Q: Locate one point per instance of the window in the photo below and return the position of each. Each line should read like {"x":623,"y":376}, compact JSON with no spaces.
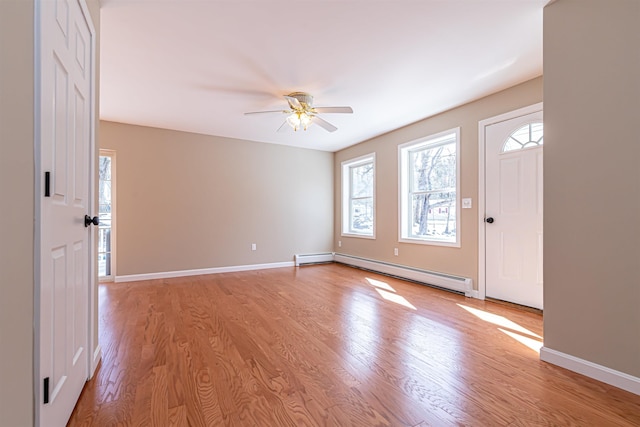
{"x":358,"y":196}
{"x":105,"y":212}
{"x":429,"y":188}
{"x":527,"y":136}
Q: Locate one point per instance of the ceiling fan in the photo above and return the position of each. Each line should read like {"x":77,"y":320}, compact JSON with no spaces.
{"x":301,"y":113}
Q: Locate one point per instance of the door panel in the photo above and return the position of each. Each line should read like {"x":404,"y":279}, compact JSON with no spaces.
{"x":510,"y":257}
{"x":510,"y":185}
{"x":60,"y":111}
{"x":65,"y":150}
{"x":513,"y":198}
{"x":80,"y":152}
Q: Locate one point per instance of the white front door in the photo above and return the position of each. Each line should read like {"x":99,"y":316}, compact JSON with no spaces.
{"x":65,"y":165}
{"x":513,"y":210}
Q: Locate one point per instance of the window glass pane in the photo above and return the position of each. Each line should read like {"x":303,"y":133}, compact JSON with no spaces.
{"x":104,"y":264}
{"x":521,"y":135}
{"x":104,"y":240}
{"x":511,"y":145}
{"x":418,"y":160}
{"x":433,"y":168}
{"x":362,"y":216}
{"x":105,"y":193}
{"x":537,"y":133}
{"x":105,"y":220}
{"x":105,"y":210}
{"x":530,"y":135}
{"x":434,"y":215}
{"x":105,"y":167}
{"x":362,"y":180}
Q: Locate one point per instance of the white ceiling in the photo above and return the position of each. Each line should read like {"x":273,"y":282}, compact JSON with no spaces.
{"x":198,"y":65}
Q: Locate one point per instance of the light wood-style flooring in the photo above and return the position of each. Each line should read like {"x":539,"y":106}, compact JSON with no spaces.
{"x":328,"y":345}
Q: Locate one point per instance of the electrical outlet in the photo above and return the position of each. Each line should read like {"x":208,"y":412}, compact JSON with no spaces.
{"x":339,"y":243}
{"x":254,"y":247}
{"x":395,"y":251}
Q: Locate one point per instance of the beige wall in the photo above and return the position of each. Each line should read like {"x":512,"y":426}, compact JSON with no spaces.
{"x":188,"y":201}
{"x":592,"y":176}
{"x":462,"y":261}
{"x":16,"y":213}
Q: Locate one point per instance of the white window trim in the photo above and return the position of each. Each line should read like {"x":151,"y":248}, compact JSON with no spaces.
{"x":403,"y":184}
{"x":345,"y":178}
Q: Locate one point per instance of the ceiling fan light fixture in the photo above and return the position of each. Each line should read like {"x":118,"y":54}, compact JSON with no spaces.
{"x":299,"y":119}
{"x":301,"y":113}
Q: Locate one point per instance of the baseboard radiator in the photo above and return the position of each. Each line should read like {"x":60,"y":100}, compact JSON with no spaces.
{"x":463,"y":285}
{"x":309,"y":259}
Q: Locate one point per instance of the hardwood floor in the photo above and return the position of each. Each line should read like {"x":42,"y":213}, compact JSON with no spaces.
{"x":328,"y":345}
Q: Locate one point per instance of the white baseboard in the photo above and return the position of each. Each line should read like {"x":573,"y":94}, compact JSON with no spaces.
{"x":455,"y":283}
{"x":304,"y":259}
{"x":592,"y":370}
{"x":441,"y":280}
{"x":214,"y":270}
{"x":472,"y":294}
{"x":97,"y":355}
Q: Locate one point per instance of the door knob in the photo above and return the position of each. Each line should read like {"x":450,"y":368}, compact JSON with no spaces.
{"x":489,"y":220}
{"x":88,"y":220}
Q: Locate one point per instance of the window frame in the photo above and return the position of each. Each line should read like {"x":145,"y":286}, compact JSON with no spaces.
{"x":404,"y":175}
{"x":103,"y":152}
{"x":346,"y":178}
{"x":530,"y":144}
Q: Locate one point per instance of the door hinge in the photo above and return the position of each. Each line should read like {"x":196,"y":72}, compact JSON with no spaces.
{"x":47,"y":184}
{"x":46,"y":388}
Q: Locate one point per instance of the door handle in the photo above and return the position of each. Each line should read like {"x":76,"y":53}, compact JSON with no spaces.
{"x":88,"y":220}
{"x":489,"y":220}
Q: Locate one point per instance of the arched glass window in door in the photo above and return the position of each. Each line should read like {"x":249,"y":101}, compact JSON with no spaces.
{"x":527,"y":136}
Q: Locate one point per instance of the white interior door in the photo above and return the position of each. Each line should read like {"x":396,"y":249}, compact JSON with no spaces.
{"x":513,"y":210}
{"x":65,"y":154}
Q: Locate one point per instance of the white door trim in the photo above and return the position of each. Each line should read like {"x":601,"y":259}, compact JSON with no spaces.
{"x":482,"y":125}
{"x":94,"y":354}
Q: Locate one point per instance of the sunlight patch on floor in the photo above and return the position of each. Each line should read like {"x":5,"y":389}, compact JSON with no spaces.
{"x":517,"y":332}
{"x":498,"y":320}
{"x":387,"y":292}
{"x":398,"y":299}
{"x":533,"y":344}
{"x":380,"y":284}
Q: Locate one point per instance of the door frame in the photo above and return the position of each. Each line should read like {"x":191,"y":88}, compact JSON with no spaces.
{"x":92,"y":345}
{"x":482,"y":125}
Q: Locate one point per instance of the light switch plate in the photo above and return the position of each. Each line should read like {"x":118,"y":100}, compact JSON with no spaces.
{"x":466,"y":203}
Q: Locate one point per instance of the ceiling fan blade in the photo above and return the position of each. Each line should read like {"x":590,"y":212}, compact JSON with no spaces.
{"x":293,"y":102}
{"x":324,"y":124}
{"x":270,"y":111}
{"x":347,"y":110}
{"x":283,"y":127}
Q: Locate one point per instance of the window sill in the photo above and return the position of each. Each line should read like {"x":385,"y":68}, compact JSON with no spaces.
{"x":361,"y":236}
{"x":429,"y":242}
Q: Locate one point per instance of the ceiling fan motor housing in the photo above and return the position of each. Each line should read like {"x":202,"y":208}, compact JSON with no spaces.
{"x":303,"y":98}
